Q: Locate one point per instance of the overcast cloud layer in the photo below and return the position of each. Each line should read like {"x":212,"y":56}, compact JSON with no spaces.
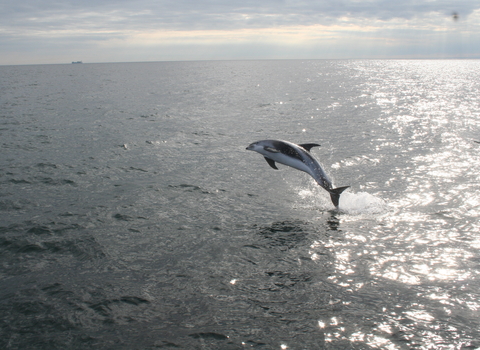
{"x":48,"y":31}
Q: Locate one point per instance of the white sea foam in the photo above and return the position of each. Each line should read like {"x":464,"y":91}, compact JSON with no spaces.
{"x":350,"y":202}
{"x":361,"y":203}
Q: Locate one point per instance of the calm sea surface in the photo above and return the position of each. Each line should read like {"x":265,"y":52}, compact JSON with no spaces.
{"x":132,"y":217}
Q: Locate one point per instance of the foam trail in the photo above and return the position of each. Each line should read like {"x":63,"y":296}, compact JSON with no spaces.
{"x":361,"y":203}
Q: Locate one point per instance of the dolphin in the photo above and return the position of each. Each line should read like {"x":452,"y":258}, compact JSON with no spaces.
{"x":298,"y":157}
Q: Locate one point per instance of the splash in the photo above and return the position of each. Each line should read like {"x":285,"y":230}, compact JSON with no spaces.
{"x":361,"y":203}
{"x":350,"y":202}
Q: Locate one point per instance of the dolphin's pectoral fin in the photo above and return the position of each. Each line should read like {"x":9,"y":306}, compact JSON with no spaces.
{"x":308,"y":146}
{"x":271,"y":163}
{"x":271,"y":149}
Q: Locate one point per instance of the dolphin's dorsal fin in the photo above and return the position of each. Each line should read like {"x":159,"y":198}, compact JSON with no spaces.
{"x":271,"y":163}
{"x":308,"y":146}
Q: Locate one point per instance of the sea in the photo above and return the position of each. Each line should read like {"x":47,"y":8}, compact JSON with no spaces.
{"x":133,"y":217}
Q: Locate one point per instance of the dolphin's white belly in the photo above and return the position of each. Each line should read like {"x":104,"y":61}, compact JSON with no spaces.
{"x":314,"y":171}
{"x":290,"y":161}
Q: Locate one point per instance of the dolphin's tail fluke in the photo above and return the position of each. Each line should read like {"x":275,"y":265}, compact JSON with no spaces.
{"x":335,"y":194}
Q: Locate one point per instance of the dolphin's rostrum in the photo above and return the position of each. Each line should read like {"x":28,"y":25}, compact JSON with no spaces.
{"x":298,"y":157}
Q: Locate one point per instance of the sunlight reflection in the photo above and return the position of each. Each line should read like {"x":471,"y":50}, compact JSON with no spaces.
{"x":473,"y":305}
{"x":424,"y":246}
{"x":385,"y":328}
{"x":374,"y":341}
{"x":357,"y":336}
{"x":381,"y":343}
{"x":420,"y":315}
{"x":436,"y":264}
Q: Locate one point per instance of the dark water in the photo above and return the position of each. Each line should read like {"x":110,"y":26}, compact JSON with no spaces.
{"x":132,"y":217}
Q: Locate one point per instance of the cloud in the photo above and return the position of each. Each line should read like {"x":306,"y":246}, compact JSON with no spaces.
{"x":348,"y":27}
{"x":214,"y":14}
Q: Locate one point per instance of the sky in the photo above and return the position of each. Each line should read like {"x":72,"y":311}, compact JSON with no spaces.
{"x":62,"y":31}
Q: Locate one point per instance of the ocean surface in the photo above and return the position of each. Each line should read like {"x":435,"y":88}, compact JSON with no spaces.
{"x":132,"y":217}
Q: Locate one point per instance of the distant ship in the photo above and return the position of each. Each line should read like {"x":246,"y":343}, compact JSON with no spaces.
{"x":77,"y":62}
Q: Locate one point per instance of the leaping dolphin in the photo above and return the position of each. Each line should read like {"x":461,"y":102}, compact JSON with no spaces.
{"x":298,"y":157}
